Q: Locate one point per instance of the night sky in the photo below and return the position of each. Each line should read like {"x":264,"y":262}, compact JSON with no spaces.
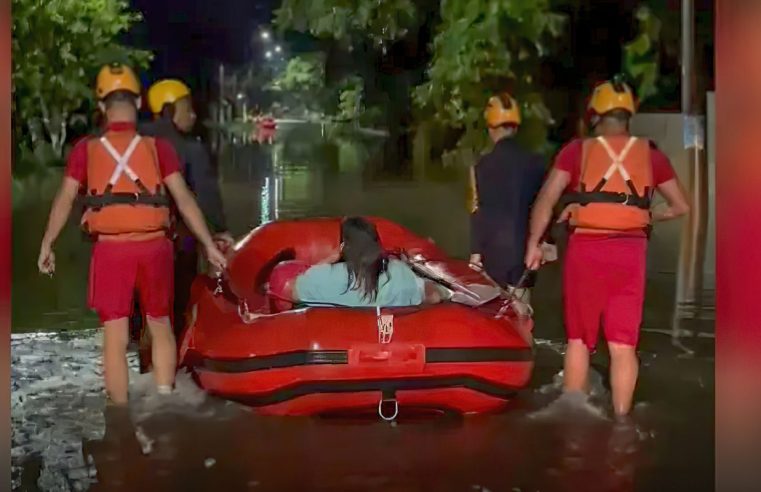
{"x":189,"y":37}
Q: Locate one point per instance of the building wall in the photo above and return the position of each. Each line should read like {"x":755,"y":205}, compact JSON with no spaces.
{"x":666,"y":130}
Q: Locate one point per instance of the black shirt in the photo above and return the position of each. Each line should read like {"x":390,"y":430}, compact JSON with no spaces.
{"x":508,"y":180}
{"x":196,"y":167}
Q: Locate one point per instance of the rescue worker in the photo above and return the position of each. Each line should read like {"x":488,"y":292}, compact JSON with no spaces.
{"x":504,"y":184}
{"x":170,"y":102}
{"x":125,"y":177}
{"x":610,"y":179}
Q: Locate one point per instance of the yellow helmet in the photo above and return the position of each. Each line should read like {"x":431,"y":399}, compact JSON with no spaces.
{"x":116,"y":77}
{"x":167,"y":91}
{"x":612,"y":95}
{"x":502,"y":109}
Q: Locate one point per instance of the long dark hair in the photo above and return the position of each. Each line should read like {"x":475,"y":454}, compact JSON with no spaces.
{"x":363,"y":255}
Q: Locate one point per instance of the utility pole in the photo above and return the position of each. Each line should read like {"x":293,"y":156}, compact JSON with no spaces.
{"x":689,"y":282}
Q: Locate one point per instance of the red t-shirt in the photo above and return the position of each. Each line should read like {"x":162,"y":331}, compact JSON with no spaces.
{"x":569,"y":160}
{"x":76,"y":165}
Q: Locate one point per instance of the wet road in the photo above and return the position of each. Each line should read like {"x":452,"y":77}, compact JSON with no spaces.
{"x":63,"y":441}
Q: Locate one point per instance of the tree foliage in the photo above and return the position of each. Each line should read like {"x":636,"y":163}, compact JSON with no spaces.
{"x":641,"y":55}
{"x":301,"y":82}
{"x":301,"y":73}
{"x":483,"y":46}
{"x":348,"y":20}
{"x":480,"y":46}
{"x":58,"y":47}
{"x":350,"y":99}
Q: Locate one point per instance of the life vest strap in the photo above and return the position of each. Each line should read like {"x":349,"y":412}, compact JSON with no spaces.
{"x":122,"y":160}
{"x":633,"y":200}
{"x":96,"y":202}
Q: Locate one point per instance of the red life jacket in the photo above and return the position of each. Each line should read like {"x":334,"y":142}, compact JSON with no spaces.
{"x":615,"y":187}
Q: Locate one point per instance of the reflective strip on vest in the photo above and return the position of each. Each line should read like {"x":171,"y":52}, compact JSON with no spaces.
{"x":617,"y":164}
{"x":122,"y":161}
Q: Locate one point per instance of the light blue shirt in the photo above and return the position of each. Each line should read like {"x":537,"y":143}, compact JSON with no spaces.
{"x":328,"y":283}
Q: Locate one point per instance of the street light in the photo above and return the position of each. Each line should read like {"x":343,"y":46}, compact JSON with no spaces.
{"x":278,"y":49}
{"x":265,"y":35}
{"x":268,"y":55}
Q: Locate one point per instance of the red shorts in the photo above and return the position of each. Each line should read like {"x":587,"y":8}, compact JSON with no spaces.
{"x":604,"y":284}
{"x":119,"y":268}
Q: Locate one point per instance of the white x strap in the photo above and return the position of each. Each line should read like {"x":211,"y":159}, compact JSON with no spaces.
{"x":617,"y":160}
{"x":122,"y":161}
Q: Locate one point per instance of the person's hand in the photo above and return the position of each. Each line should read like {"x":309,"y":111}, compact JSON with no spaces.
{"x":476,"y":260}
{"x":534,"y":257}
{"x":216,"y":257}
{"x":46,"y":260}
{"x":224,"y":241}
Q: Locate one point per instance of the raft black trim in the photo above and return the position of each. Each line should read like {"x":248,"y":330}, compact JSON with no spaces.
{"x":440,"y":355}
{"x":385,"y":386}
{"x":341,"y":357}
{"x":278,"y":361}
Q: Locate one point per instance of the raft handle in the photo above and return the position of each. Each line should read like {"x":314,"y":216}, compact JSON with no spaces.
{"x":396,"y":409}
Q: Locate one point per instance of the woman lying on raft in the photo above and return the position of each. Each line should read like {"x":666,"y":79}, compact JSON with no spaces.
{"x":363,"y":276}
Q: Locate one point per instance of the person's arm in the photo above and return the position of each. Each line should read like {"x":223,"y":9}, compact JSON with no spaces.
{"x":549,"y":195}
{"x":541,"y":214}
{"x":61,"y":209}
{"x":476,"y":227}
{"x":668,"y":185}
{"x":59,"y":215}
{"x":676,"y":201}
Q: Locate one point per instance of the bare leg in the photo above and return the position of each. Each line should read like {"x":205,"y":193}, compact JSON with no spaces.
{"x":624,"y":369}
{"x":116,"y":372}
{"x":164,"y":351}
{"x":576,"y":366}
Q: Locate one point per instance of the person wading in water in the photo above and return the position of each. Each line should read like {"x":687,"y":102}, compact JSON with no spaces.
{"x":609,"y":180}
{"x":504,"y":184}
{"x":126,"y":177}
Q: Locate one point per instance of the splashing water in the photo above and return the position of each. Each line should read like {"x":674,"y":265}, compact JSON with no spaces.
{"x":57,"y":401}
{"x":573,"y":405}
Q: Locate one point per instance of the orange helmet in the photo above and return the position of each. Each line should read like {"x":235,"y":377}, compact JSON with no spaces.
{"x":116,"y":77}
{"x":502,"y":109}
{"x":612,"y":95}
{"x":167,"y":91}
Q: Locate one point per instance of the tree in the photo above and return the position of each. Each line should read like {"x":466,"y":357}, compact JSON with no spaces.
{"x":348,"y":21}
{"x":483,"y":46}
{"x":641,"y":55}
{"x":479,"y":46}
{"x":58,"y":47}
{"x":350,"y":99}
{"x":301,"y":73}
{"x":302,"y":80}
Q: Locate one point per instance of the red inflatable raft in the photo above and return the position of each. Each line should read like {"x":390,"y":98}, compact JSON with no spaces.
{"x":321,"y":360}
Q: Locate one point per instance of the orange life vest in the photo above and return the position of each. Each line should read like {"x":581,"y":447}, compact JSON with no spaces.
{"x":615,"y":186}
{"x":125,"y":191}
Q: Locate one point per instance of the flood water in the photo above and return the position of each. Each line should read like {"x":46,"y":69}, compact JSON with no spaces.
{"x":64,"y":439}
